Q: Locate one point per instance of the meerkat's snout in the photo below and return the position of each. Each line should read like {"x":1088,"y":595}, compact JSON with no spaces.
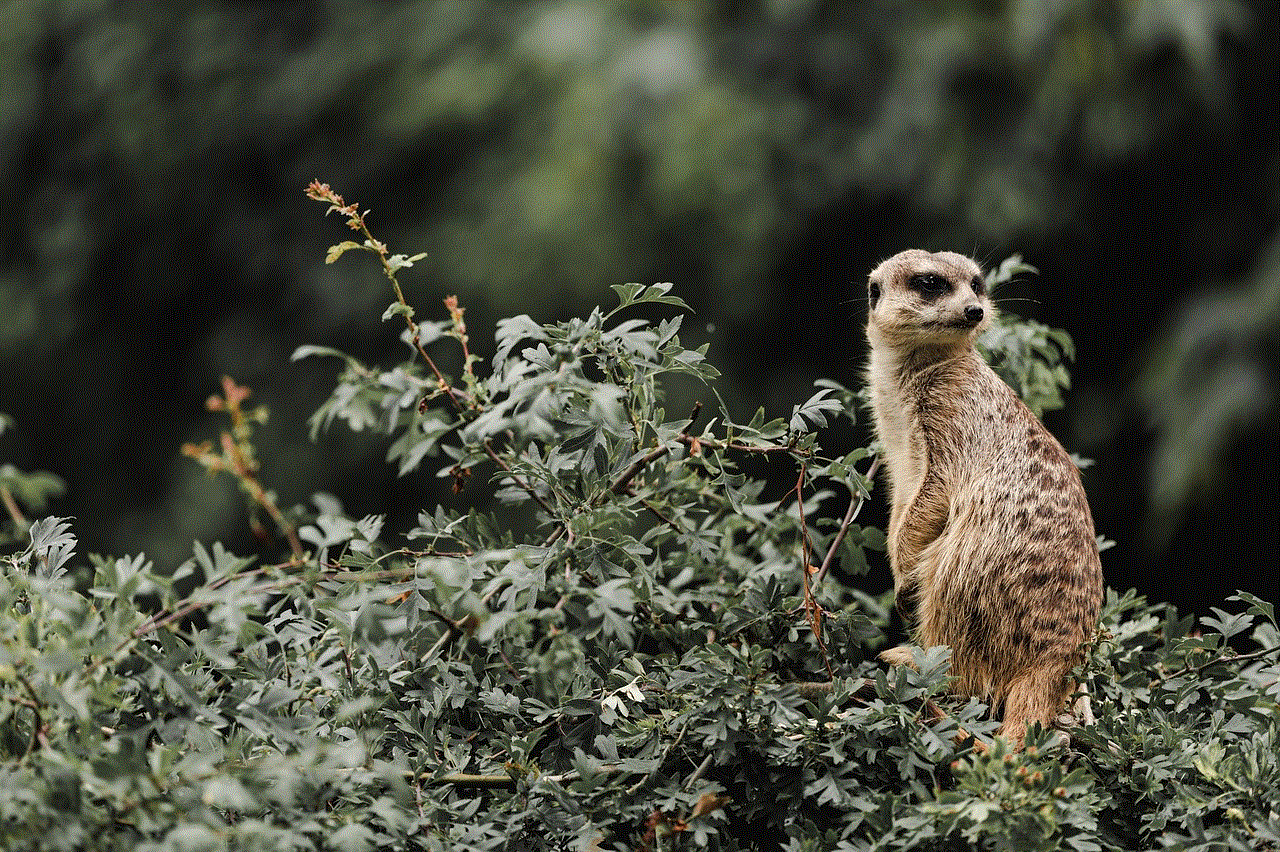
{"x":974,"y":314}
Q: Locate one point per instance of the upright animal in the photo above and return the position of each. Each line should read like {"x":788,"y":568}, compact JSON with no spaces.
{"x":990,"y":538}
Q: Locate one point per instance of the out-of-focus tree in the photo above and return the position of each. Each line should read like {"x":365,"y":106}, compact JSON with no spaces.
{"x":763,"y":156}
{"x":1210,"y":382}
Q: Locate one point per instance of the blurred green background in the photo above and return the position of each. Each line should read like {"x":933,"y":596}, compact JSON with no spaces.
{"x":762,"y":156}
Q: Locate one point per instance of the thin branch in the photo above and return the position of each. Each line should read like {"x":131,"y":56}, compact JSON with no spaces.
{"x":355,"y":220}
{"x":633,"y":470}
{"x":11,"y":506}
{"x":698,"y":773}
{"x":620,"y":484}
{"x":810,"y":690}
{"x":760,"y":449}
{"x":661,"y":760}
{"x":856,"y":500}
{"x":1238,"y":658}
{"x":657,"y":513}
{"x":446,"y":638}
{"x":555,"y":535}
{"x":811,"y":604}
{"x":520,"y":483}
{"x":37,"y":722}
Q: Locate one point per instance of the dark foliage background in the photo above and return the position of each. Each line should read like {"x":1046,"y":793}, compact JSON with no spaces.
{"x":761,"y":156}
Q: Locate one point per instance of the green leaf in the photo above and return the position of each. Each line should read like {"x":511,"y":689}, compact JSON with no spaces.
{"x":635,"y":294}
{"x":397,"y":309}
{"x":312,"y":351}
{"x":813,"y":412}
{"x":398,"y":261}
{"x":338,"y":250}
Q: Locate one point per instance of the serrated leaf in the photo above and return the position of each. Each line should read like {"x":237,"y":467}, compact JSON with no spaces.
{"x":338,"y":250}
{"x":399,"y":261}
{"x":397,"y":309}
{"x":52,"y":545}
{"x":636,"y":294}
{"x":813,"y":412}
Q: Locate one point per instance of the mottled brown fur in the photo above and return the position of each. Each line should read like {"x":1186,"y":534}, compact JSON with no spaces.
{"x":990,"y":538}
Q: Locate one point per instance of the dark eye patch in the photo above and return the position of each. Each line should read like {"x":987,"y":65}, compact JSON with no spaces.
{"x":873,"y":294}
{"x":929,"y":285}
{"x":979,"y":286}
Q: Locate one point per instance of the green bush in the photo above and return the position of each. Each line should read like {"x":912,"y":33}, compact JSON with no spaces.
{"x":619,"y":637}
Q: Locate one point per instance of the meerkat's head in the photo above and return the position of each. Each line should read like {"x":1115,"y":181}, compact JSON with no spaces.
{"x":923,"y":299}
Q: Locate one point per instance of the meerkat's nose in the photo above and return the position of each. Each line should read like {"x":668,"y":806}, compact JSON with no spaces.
{"x":973,"y":314}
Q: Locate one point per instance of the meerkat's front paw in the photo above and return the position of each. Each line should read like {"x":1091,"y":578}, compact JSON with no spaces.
{"x":899,"y":656}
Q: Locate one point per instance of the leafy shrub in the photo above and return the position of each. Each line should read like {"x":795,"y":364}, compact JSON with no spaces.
{"x":618,"y":638}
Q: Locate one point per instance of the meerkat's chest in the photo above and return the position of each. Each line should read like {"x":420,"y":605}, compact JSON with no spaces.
{"x":951,"y":415}
{"x":895,"y":416}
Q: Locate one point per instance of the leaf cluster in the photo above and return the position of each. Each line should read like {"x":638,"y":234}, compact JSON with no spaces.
{"x":617,"y":636}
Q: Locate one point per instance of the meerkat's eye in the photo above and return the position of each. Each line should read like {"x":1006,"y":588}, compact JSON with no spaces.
{"x":979,"y":286}
{"x":929,"y":285}
{"x":873,"y":294}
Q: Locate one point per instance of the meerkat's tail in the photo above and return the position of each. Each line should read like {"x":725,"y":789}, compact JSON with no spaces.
{"x":1036,"y":695}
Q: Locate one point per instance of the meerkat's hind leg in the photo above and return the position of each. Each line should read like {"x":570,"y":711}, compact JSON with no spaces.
{"x":1036,"y":695}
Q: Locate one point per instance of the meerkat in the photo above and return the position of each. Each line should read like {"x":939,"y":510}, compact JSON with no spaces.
{"x":990,"y":541}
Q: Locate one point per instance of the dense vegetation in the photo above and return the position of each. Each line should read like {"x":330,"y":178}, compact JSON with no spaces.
{"x":613,"y":637}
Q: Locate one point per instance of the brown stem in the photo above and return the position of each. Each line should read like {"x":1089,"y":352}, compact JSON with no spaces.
{"x":855,"y":506}
{"x":866,"y":689}
{"x":520,"y":483}
{"x":811,"y":605}
{"x":355,"y":220}
{"x":620,"y":484}
{"x":1197,"y":669}
{"x":381,"y":251}
{"x":657,"y":513}
{"x":760,"y":449}
{"x":11,"y":506}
